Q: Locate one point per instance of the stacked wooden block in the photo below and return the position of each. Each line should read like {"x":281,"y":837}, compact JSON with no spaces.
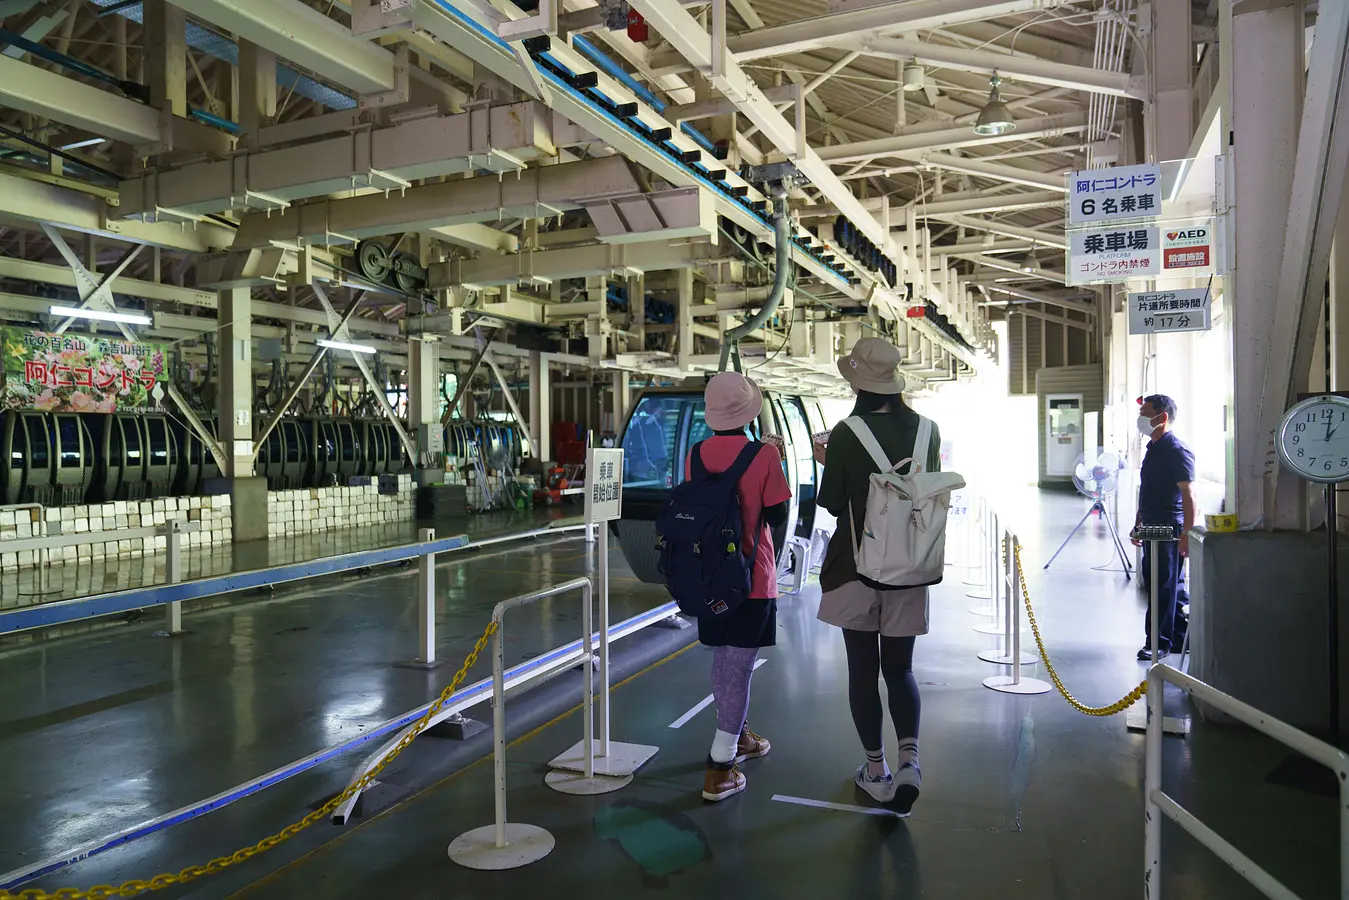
{"x":390,"y":498}
{"x":103,"y":520}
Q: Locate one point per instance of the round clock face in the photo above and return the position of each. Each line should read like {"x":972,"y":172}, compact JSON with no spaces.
{"x":1313,"y":439}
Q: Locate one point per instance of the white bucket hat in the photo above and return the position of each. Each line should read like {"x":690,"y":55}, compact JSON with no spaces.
{"x":873,"y":365}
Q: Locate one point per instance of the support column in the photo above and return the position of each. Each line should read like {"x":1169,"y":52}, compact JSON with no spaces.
{"x":235,"y":400}
{"x":622,"y":401}
{"x":684,"y":312}
{"x":637,"y":307}
{"x":1339,"y":302}
{"x":424,"y":409}
{"x":1262,"y":55}
{"x":540,"y":406}
{"x":257,"y":88}
{"x":165,"y":39}
{"x":1171,"y":125}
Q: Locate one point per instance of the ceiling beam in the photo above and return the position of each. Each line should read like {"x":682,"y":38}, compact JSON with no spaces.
{"x":1006,"y":266}
{"x":1043,"y":238}
{"x":997,"y":171}
{"x":939,"y":138}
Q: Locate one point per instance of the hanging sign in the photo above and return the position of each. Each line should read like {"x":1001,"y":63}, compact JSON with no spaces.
{"x":1187,"y":248}
{"x":603,"y":485}
{"x":1123,"y":192}
{"x":1114,"y":254}
{"x":80,"y":373}
{"x":1157,"y":312}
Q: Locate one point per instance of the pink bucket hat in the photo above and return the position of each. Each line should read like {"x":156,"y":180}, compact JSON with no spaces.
{"x":732,"y":401}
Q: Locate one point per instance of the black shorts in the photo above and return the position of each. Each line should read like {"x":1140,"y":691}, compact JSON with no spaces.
{"x":753,"y":625}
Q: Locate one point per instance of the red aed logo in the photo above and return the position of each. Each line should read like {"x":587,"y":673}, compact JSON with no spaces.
{"x":1193,"y":234}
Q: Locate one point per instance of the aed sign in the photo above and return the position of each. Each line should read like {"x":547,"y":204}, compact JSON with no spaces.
{"x":1187,"y":248}
{"x":603,"y":485}
{"x":1121,"y":192}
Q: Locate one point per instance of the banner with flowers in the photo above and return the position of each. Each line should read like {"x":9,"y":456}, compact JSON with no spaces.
{"x":80,"y":373}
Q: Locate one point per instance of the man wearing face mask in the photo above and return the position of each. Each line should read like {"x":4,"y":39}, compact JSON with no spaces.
{"x":1165,"y":497}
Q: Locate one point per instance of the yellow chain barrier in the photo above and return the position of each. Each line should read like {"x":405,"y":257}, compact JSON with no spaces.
{"x":191,"y":873}
{"x":1118,"y":706}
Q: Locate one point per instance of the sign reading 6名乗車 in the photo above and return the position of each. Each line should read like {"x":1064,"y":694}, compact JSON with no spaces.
{"x":1123,"y":192}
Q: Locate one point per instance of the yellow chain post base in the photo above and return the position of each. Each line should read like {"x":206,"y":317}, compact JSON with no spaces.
{"x":1118,"y":706}
{"x":191,"y":873}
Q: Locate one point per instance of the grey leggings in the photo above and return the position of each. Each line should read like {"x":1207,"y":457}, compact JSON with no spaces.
{"x":871,"y":655}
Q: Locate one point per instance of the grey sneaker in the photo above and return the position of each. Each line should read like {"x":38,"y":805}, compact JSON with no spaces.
{"x":908,"y":782}
{"x":881,"y":788}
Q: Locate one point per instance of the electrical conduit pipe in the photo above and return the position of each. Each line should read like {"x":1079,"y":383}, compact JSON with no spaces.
{"x":783,"y":232}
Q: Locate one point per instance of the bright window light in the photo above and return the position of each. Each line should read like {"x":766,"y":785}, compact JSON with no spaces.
{"x":342,"y":345}
{"x":100,"y":315}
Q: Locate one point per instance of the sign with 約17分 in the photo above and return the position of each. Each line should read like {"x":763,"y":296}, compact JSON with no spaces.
{"x":1161,"y":311}
{"x":80,"y":373}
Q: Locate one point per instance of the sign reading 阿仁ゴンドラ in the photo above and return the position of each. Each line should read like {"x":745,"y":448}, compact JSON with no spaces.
{"x":1187,"y":247}
{"x":1159,"y":311}
{"x":1114,"y":254}
{"x":603,"y":485}
{"x":80,"y":373}
{"x":1124,"y":192}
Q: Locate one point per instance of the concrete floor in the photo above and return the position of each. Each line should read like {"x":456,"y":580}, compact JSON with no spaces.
{"x":1023,"y":797}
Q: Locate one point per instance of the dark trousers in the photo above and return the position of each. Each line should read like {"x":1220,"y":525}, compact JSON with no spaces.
{"x":1171,"y":626}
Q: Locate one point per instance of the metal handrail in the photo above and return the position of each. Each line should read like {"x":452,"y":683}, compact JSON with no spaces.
{"x":1157,"y":802}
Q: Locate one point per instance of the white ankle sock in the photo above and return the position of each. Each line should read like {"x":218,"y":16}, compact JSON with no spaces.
{"x":876,"y":766}
{"x":908,"y":751}
{"x":724,"y":746}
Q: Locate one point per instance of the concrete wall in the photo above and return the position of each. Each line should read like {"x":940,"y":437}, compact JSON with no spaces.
{"x":1258,"y":621}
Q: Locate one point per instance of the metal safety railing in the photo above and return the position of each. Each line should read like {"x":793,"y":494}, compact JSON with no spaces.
{"x":1157,"y":803}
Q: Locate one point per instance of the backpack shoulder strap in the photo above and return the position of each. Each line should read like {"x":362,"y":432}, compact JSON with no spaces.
{"x":696,"y":467}
{"x":920,"y":445}
{"x":743,"y":461}
{"x":868,"y":442}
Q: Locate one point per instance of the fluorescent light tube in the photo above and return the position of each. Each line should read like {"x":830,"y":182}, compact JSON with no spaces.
{"x":101,"y":315}
{"x":342,"y":345}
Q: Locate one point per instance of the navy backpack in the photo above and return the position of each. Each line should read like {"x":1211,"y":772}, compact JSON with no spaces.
{"x":698,"y":535}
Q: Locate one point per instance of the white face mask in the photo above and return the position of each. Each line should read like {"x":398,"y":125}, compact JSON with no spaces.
{"x":1145,"y":426}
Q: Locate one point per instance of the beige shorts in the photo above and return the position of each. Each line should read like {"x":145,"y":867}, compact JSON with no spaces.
{"x":855,"y":606}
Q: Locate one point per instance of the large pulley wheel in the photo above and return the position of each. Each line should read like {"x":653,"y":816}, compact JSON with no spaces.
{"x":374,"y":260}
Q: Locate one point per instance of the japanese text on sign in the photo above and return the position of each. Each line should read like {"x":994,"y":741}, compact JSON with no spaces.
{"x":1113,"y":255}
{"x":604,"y":484}
{"x":1126,"y":192}
{"x":1186,"y":248}
{"x":1163,"y":311}
{"x":80,"y":373}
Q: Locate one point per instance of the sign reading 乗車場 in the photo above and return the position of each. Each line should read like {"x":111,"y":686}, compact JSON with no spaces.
{"x":80,"y":373}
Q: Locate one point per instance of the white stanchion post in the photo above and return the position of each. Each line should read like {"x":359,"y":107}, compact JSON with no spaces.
{"x":974,"y":536}
{"x":982,"y":589}
{"x":1152,"y":783}
{"x":1014,"y":683}
{"x":173,"y":569}
{"x":1009,"y":584}
{"x":994,"y":580}
{"x":616,"y":761}
{"x":426,"y":602}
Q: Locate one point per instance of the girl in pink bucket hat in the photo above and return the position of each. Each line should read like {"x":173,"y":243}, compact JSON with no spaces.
{"x":732,"y":403}
{"x":879,"y":626}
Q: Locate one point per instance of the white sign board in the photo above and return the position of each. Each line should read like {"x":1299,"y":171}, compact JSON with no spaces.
{"x":1188,"y":247}
{"x":604,"y":485}
{"x":1114,"y":254}
{"x":1162,"y":311}
{"x":1123,"y":192}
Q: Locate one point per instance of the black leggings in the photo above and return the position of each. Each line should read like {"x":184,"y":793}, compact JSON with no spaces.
{"x":869,"y":655}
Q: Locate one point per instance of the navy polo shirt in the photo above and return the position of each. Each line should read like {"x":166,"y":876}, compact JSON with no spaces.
{"x":1167,"y":463}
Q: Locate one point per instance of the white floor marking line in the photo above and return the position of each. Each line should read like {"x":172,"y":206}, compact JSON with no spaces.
{"x":841,"y":807}
{"x":703,"y":704}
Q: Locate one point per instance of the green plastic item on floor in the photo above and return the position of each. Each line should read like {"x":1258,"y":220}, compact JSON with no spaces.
{"x":663,"y":842}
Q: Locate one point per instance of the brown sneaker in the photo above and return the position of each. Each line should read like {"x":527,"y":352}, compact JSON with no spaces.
{"x":751,"y":746}
{"x":722,"y":781}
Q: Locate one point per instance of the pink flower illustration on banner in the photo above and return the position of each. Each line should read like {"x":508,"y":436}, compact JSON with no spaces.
{"x":46,"y":401}
{"x":81,"y":402}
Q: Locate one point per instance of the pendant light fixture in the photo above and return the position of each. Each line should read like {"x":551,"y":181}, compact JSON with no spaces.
{"x":995,"y":118}
{"x":1030,"y":263}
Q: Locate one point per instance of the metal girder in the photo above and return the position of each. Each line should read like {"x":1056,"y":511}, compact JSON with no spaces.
{"x":304,"y":36}
{"x":917,"y":139}
{"x":46,"y":273}
{"x":1007,"y":266}
{"x":33,"y":202}
{"x":92,"y":291}
{"x":510,"y":399}
{"x":1313,"y":213}
{"x":912,"y":15}
{"x":678,"y":27}
{"x":1029,"y":297}
{"x":706,"y":109}
{"x":576,"y":262}
{"x":466,"y":378}
{"x":100,"y":294}
{"x":1041,"y":238}
{"x":1011,"y":174}
{"x":967,"y":247}
{"x":501,"y":138}
{"x":541,"y":191}
{"x":992,"y":203}
{"x":1020,"y":68}
{"x":338,"y":329}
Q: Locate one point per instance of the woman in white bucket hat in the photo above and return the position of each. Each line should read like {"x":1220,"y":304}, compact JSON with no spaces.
{"x":879,"y":627}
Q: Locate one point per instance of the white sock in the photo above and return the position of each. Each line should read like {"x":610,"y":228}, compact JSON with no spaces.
{"x":908,"y":751}
{"x":724,"y":746}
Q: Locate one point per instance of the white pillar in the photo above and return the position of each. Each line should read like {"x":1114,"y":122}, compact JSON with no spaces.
{"x":1171,"y":124}
{"x":684,"y":307}
{"x":257,"y":88}
{"x":1262,"y":55}
{"x":235,"y":394}
{"x":540,"y":406}
{"x":424,"y":397}
{"x":165,"y":40}
{"x":622,"y":402}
